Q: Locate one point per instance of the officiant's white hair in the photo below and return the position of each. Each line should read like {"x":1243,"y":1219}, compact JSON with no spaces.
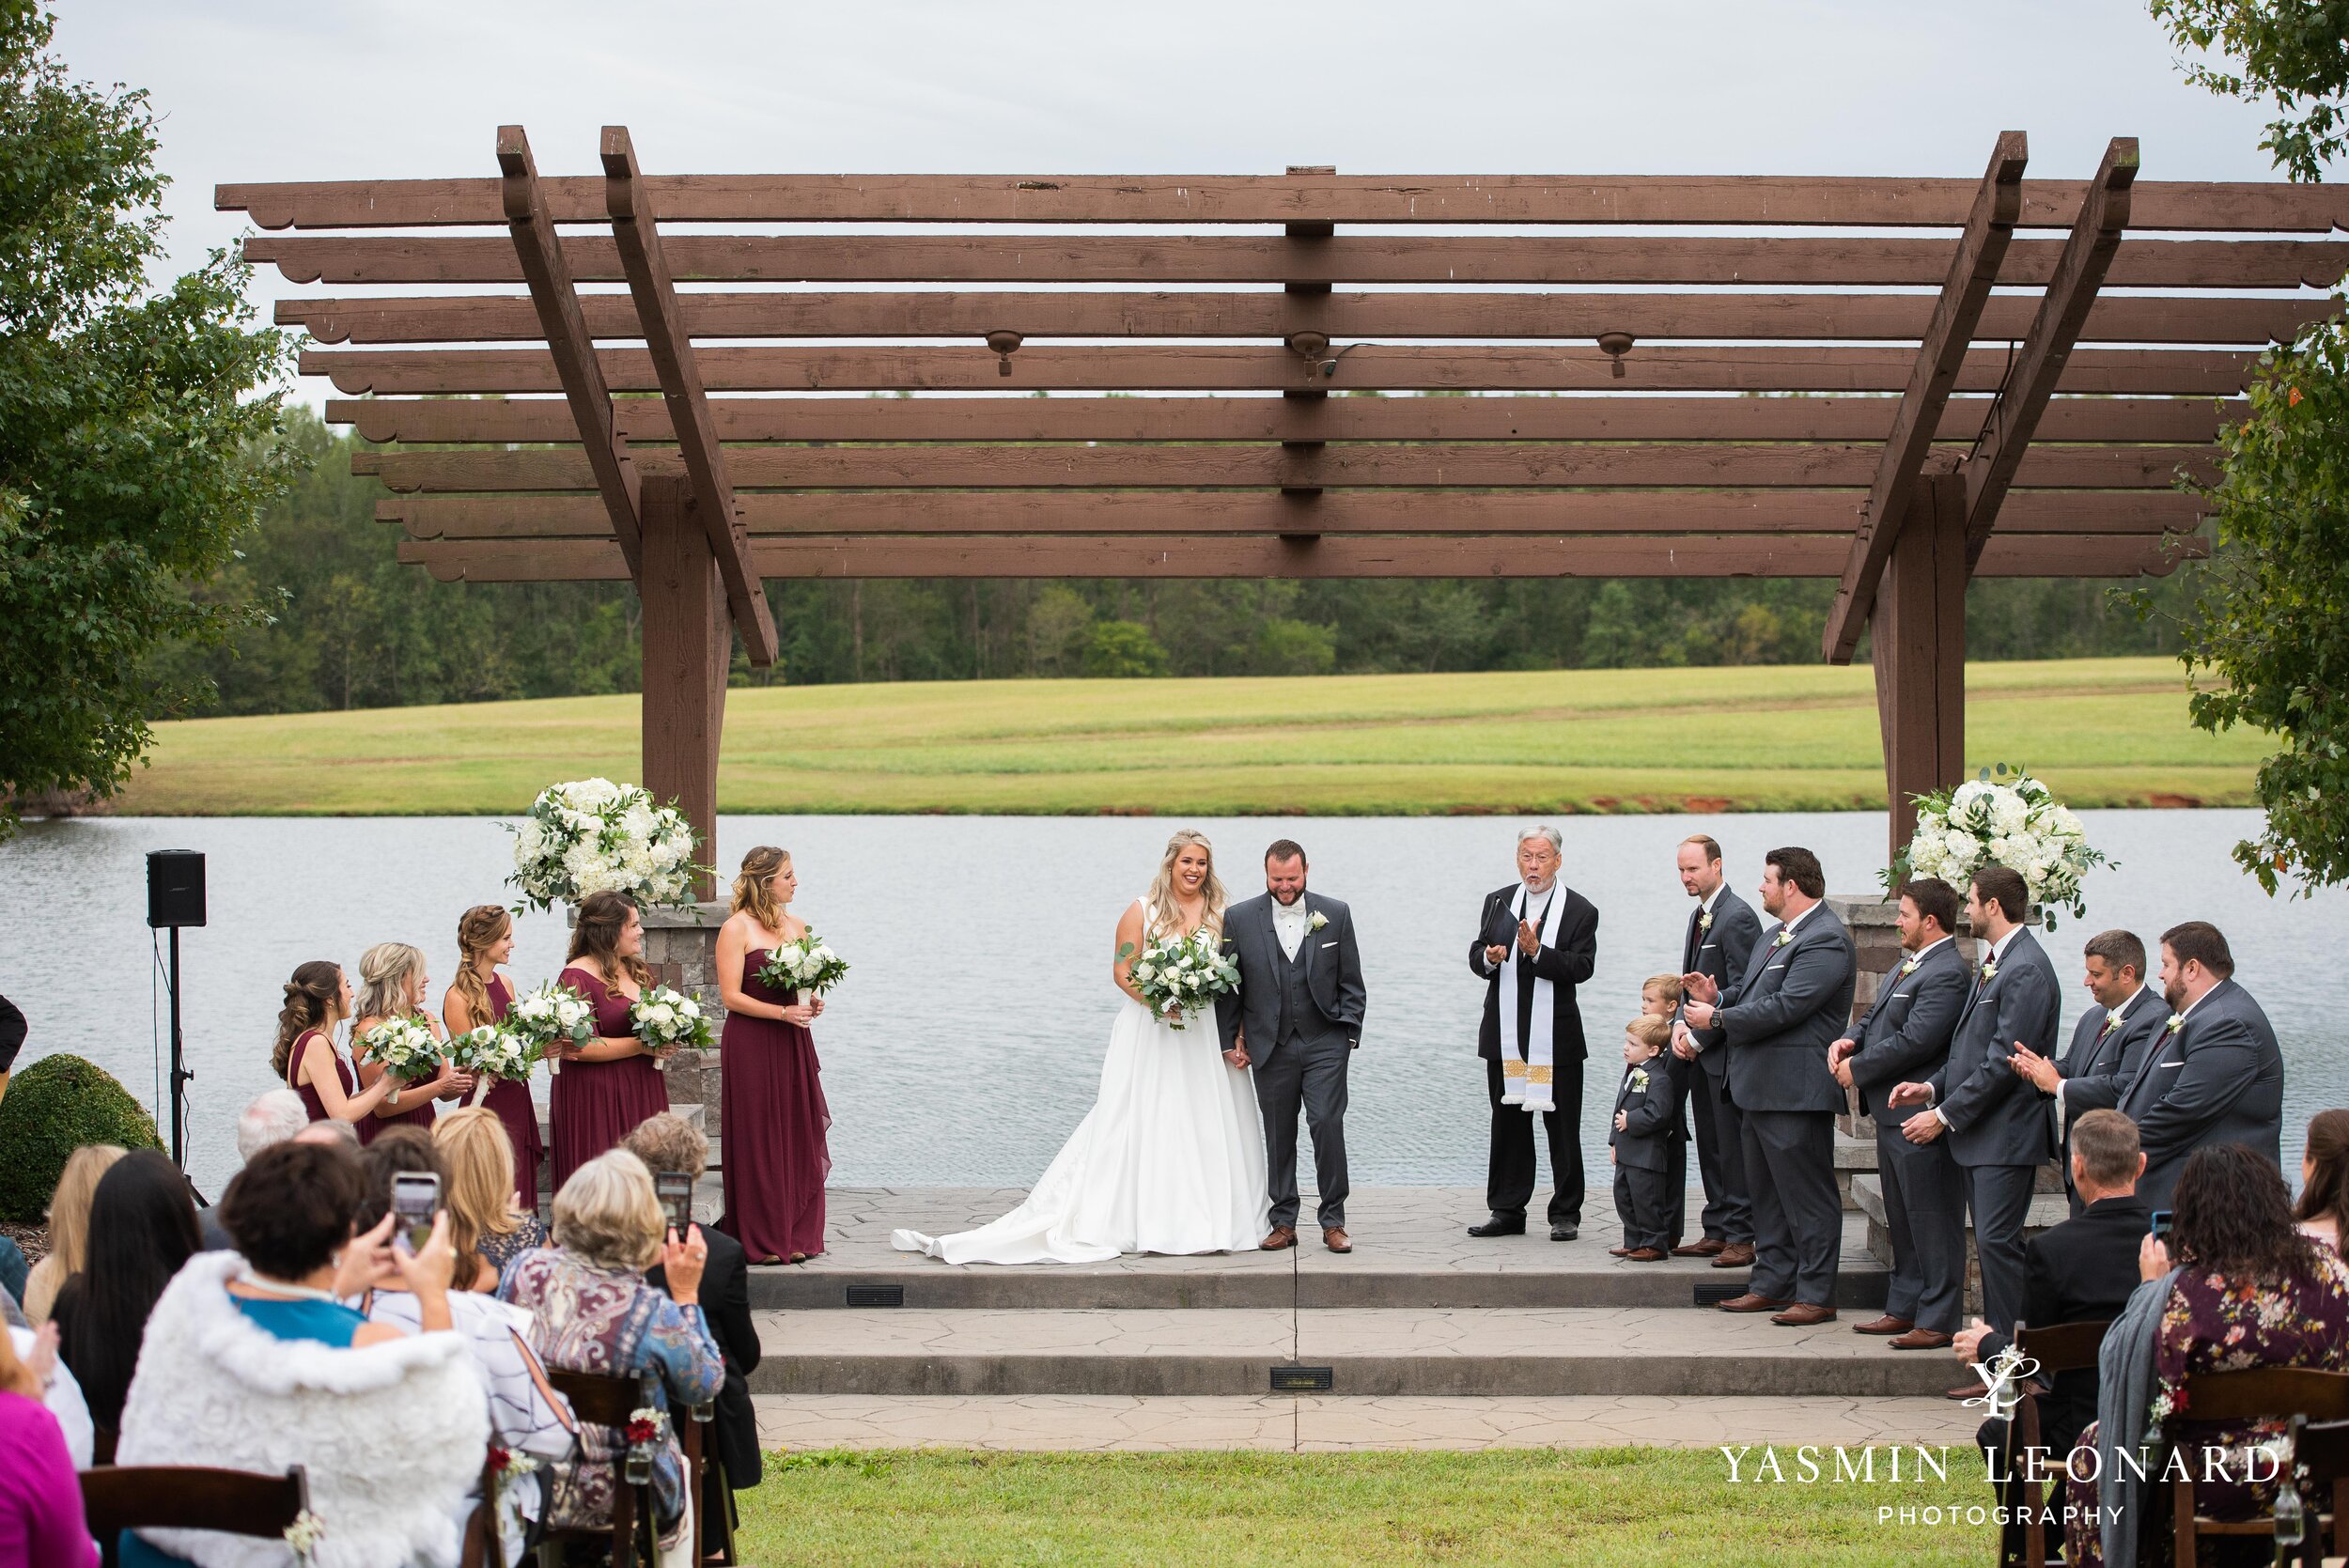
{"x":1162,"y":917}
{"x":1557,"y":840}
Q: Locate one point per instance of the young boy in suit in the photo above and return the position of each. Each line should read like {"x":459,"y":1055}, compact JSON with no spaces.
{"x":1646,"y":1127}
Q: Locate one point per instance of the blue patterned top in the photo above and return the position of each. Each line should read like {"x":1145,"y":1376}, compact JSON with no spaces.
{"x":330,"y":1323}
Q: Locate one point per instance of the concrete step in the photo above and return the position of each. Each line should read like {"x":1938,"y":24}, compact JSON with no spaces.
{"x":1381,"y":1353}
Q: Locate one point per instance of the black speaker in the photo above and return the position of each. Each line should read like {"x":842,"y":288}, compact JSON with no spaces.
{"x":175,"y":888}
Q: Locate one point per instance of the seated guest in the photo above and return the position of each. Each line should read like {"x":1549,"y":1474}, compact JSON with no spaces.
{"x":1639,"y":1140}
{"x":592,"y":1311}
{"x":68,"y":1225}
{"x":273,"y":1116}
{"x":2249,"y":1290}
{"x":142,"y":1229}
{"x":478,"y":1156}
{"x":670,"y":1142}
{"x":40,"y":1498}
{"x":2325,"y":1178}
{"x":253,"y":1363}
{"x":38,"y":1348}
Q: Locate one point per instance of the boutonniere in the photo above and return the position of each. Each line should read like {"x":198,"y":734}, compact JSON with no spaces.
{"x":2177,"y":1021}
{"x":2112,"y":1017}
{"x":1638,"y":1078}
{"x":1908,"y":966}
{"x":1784,"y":936}
{"x":1317,"y":922}
{"x":1704,"y":921}
{"x":1989,"y":970}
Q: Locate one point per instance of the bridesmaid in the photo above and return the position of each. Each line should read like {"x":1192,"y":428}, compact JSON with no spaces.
{"x":606,"y":1087}
{"x":392,"y":984}
{"x":479,"y":995}
{"x":317,"y":998}
{"x":771,"y":1098}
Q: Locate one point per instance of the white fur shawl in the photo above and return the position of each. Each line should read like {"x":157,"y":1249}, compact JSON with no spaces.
{"x":392,"y":1435}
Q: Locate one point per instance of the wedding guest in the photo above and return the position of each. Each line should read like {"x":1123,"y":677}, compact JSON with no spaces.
{"x":62,"y":1396}
{"x":480,"y":995}
{"x":1536,"y":940}
{"x":2213,"y":1075}
{"x":670,"y":1142}
{"x":1639,"y":1141}
{"x":271,"y":1116}
{"x":770,"y":1092}
{"x":592,"y":1311}
{"x":1722,"y":929}
{"x":610,"y":1084}
{"x":2325,"y":1178}
{"x":306,"y":1059}
{"x":253,"y":1363}
{"x":40,"y":1496}
{"x":1905,"y":1034}
{"x":479,"y":1190}
{"x":68,"y":1227}
{"x":392,"y":984}
{"x":141,"y":1230}
{"x":1776,"y":1021}
{"x":2109,"y":1042}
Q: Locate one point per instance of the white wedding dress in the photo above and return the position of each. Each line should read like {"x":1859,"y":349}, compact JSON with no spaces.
{"x":1170,"y":1159}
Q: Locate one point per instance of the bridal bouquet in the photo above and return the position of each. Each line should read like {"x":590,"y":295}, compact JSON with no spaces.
{"x":2016,"y":824}
{"x":806,"y":965}
{"x":596,"y":836}
{"x":667,"y":1019}
{"x":405,"y":1048}
{"x":551,"y":1016}
{"x":1178,"y":977}
{"x":492,"y":1052}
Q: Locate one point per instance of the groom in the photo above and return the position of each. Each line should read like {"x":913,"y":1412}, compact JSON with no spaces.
{"x":1297,"y":1017}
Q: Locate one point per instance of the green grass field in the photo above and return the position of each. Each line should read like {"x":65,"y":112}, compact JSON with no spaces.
{"x":2102,"y":732}
{"x":1232,"y":1510}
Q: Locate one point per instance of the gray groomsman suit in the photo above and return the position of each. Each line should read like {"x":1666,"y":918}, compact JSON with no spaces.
{"x":1999,"y":1129}
{"x":1780,"y":1018}
{"x":1721,"y":953}
{"x":2103,"y":1059}
{"x":1904,"y":1037}
{"x":2218,"y":1078}
{"x":1303,"y":1016}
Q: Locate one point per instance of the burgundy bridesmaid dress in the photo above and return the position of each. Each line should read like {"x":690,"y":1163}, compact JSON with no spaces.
{"x":596,"y":1104}
{"x":510,"y":1100}
{"x":310,"y":1100}
{"x":772,"y":1113}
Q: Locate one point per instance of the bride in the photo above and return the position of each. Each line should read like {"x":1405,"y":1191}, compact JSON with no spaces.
{"x":1171,"y":1157}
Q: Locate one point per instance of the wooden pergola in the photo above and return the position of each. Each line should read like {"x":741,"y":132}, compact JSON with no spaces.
{"x":1299,"y":376}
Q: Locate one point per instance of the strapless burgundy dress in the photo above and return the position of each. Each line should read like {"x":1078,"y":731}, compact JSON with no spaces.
{"x":773,"y":1122}
{"x":510,"y":1100}
{"x":596,"y":1104}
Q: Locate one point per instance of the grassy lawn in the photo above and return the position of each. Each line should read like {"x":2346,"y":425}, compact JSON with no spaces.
{"x":1628,"y":1506}
{"x":2104,"y":731}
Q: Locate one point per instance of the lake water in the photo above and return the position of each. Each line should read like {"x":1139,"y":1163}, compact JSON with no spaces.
{"x":968,"y":1041}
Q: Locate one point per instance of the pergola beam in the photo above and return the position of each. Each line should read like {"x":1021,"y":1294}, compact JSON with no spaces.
{"x":670,"y":345}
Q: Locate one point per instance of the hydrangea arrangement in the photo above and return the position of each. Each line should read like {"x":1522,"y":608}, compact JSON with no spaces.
{"x":806,"y":965}
{"x":596,"y":836}
{"x":666,"y":1021}
{"x":2011,"y":820}
{"x":1178,"y":977}
{"x":405,"y":1048}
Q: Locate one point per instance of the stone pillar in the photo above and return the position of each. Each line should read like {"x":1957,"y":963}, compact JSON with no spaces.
{"x":681,"y":947}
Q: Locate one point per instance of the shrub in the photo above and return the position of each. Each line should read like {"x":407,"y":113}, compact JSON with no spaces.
{"x":52,"y":1108}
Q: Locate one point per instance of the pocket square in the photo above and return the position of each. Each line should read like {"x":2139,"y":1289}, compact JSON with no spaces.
{"x":1329,"y":944}
{"x":2168,"y":1066}
{"x":1779,"y":965}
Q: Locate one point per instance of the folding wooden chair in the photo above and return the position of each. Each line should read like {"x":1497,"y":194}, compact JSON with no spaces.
{"x":2058,"y":1348}
{"x":116,"y":1498}
{"x":2257,"y":1394}
{"x":632,"y":1534}
{"x":2320,"y":1452}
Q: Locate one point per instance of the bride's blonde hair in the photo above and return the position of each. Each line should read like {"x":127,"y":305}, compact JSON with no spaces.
{"x":1163,"y":916}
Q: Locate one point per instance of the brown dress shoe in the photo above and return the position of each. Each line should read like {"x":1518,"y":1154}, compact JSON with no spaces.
{"x":1921,"y":1339}
{"x":1283,"y":1236}
{"x":1750,"y":1302}
{"x":1887,"y":1324}
{"x":1647,"y":1255}
{"x":1738,"y":1254}
{"x":1334,"y":1238}
{"x":1619,"y":1251}
{"x":1710,"y":1246}
{"x":1802,"y":1314}
{"x":1968,"y":1390}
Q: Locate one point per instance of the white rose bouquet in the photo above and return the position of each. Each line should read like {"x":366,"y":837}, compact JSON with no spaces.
{"x":2016,"y":824}
{"x":666,"y":1021}
{"x":1178,"y":977}
{"x":405,"y":1048}
{"x":596,"y":836}
{"x":492,"y":1052}
{"x":806,"y":965}
{"x":552,"y":1015}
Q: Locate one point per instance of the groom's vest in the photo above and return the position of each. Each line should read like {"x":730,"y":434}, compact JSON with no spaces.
{"x":1299,"y":1013}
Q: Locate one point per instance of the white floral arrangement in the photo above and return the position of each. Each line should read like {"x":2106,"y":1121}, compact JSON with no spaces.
{"x":1178,"y":977}
{"x":594,"y":836}
{"x":808,"y":966}
{"x":405,"y":1048}
{"x":667,"y":1021}
{"x":2011,"y":820}
{"x":552,"y":1015}
{"x":492,"y":1052}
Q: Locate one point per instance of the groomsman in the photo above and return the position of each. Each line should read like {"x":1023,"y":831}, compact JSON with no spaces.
{"x":1998,"y":1129}
{"x":1536,"y":940}
{"x":2108,"y":1044}
{"x":2214,"y":1074}
{"x":1722,"y":930}
{"x":1778,"y":1017}
{"x":1905,"y":1034}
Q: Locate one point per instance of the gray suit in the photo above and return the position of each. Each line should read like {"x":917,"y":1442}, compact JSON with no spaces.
{"x":1778,"y":1020}
{"x":1719,"y":952}
{"x":2218,"y":1078}
{"x":1999,"y":1129}
{"x":1904,"y":1036}
{"x":2102,"y":1061}
{"x":1302,"y":1018}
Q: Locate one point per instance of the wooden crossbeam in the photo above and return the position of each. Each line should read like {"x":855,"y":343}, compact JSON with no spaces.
{"x":669,"y":343}
{"x":2039,"y":368}
{"x":570,"y":357}
{"x":1696,"y":259}
{"x":1973,"y":270}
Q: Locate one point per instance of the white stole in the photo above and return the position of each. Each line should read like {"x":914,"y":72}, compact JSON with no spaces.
{"x":1526,"y":1063}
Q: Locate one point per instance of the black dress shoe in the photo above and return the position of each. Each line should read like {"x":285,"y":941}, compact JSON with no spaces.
{"x":1564,"y":1233}
{"x":1500,"y":1224}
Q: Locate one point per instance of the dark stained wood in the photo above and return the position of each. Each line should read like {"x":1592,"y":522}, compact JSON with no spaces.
{"x":116,"y":1498}
{"x":1918,"y":647}
{"x":688,"y":641}
{"x":670,"y":345}
{"x":2041,"y":364}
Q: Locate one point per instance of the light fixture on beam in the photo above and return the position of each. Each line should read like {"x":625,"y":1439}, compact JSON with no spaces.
{"x":1005,"y":345}
{"x":1614,"y":346}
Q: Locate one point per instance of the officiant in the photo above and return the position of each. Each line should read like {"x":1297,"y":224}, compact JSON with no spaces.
{"x":1536,"y":940}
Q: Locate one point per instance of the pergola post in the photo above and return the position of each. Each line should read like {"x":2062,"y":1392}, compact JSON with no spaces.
{"x":1918,"y":648}
{"x":689,"y":644}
